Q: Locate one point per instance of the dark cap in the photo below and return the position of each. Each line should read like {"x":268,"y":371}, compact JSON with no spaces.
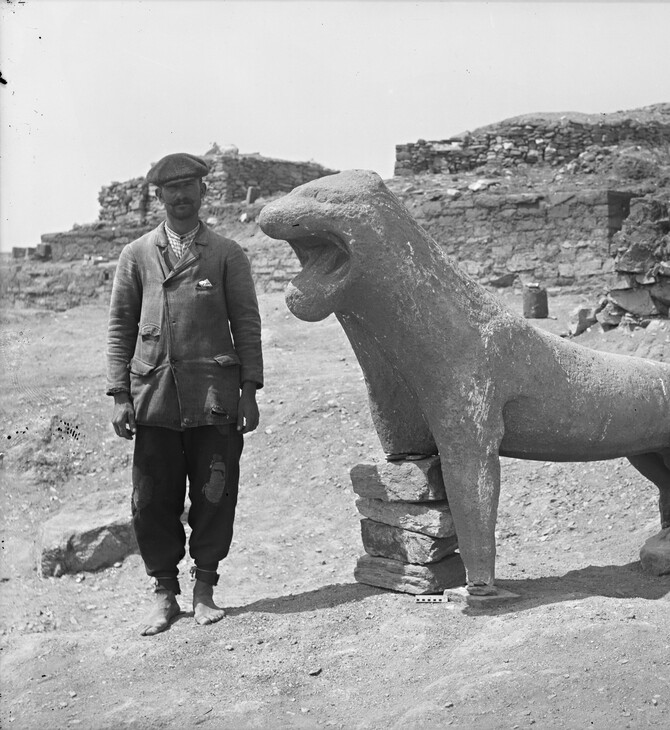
{"x":179,"y":166}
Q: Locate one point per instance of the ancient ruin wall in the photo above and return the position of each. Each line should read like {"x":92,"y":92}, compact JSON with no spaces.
{"x":556,"y":239}
{"x":133,"y":202}
{"x":553,"y":139}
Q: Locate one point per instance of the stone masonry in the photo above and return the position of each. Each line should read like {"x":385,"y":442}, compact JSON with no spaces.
{"x":548,"y":138}
{"x":133,"y":203}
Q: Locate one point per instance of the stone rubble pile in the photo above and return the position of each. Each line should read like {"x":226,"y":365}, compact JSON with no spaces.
{"x":640,"y":290}
{"x":407,"y":530}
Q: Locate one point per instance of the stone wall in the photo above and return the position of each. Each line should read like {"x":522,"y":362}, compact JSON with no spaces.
{"x":560,"y":238}
{"x":133,"y":202}
{"x":91,"y":241}
{"x":548,"y":138}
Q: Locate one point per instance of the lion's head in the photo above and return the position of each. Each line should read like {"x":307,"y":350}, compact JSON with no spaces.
{"x":330,"y":224}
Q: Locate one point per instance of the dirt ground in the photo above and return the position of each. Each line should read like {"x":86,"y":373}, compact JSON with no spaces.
{"x":303,"y":645}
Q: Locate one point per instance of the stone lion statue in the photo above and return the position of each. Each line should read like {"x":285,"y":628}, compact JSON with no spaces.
{"x":450,"y":370}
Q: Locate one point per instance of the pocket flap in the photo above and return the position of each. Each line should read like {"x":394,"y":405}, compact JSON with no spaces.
{"x":139,"y":367}
{"x":229,"y":359}
{"x":150,"y":330}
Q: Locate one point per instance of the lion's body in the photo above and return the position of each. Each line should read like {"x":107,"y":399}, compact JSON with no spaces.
{"x":449,"y":369}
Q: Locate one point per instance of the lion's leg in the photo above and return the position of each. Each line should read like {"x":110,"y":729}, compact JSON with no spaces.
{"x":656,"y":467}
{"x":398,"y":420}
{"x":471,"y":471}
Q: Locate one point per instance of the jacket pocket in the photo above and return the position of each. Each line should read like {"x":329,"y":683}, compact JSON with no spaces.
{"x":149,"y":344}
{"x":227,"y":360}
{"x":150,"y":332}
{"x":139,"y":367}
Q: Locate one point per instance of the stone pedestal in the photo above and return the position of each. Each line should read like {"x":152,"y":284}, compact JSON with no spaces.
{"x":407,"y":531}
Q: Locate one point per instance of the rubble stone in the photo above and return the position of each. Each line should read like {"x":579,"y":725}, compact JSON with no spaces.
{"x":635,"y":301}
{"x":581,"y":318}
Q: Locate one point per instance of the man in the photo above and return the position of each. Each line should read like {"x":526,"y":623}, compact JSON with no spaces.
{"x":184,"y":362}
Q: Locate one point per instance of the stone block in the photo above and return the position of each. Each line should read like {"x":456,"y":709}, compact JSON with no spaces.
{"x":610,"y":316}
{"x":635,"y":301}
{"x":385,"y":541}
{"x":655,"y":553}
{"x":428,"y":518}
{"x":414,"y":579}
{"x":87,"y":537}
{"x":401,"y":481}
{"x":661,"y":291}
{"x":581,"y":318}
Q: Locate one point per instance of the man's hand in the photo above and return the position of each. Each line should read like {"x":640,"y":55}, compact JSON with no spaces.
{"x":247,"y":412}
{"x":123,"y":418}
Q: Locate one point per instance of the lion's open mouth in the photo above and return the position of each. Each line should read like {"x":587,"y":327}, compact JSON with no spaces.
{"x":323,"y":256}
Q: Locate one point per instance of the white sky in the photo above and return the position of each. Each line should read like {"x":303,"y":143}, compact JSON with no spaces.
{"x":98,"y":90}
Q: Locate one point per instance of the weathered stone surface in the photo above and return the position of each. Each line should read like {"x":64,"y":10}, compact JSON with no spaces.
{"x":661,"y":291}
{"x":610,"y":315}
{"x":581,"y":318}
{"x":635,"y":301}
{"x":406,"y":481}
{"x":428,"y":518}
{"x":414,"y":579}
{"x":87,"y":537}
{"x":386,"y":541}
{"x":655,"y":553}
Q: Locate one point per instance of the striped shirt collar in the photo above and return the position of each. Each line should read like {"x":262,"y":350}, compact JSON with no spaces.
{"x":179,"y":243}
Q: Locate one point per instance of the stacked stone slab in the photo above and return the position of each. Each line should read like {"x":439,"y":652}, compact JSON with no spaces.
{"x":640,"y":291}
{"x":407,"y":530}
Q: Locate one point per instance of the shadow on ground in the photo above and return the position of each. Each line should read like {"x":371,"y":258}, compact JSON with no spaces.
{"x":610,"y":581}
{"x":320,"y":598}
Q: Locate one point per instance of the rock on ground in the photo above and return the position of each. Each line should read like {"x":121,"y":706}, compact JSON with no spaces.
{"x":86,"y":537}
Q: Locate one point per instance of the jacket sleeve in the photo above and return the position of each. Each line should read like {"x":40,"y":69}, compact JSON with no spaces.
{"x":243,"y":314}
{"x":124,"y":317}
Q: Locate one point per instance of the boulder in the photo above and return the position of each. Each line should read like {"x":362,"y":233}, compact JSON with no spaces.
{"x":655,"y":553}
{"x":406,"y":578}
{"x":385,"y":541}
{"x":401,"y":481}
{"x":86,"y":537}
{"x":428,"y":518}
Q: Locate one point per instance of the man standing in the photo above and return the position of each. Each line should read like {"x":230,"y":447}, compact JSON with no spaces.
{"x":184,"y":362}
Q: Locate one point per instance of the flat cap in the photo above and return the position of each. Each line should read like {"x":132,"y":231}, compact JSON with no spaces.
{"x":178,"y":166}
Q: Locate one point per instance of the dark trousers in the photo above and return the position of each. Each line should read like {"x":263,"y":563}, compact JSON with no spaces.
{"x":209,"y":457}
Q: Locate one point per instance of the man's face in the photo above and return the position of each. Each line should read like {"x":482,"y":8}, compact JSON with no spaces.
{"x":182,"y":198}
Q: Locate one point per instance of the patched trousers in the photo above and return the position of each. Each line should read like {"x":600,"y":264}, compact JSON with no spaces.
{"x":208,"y":457}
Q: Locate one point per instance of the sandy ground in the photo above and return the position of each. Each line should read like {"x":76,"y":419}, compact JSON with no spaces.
{"x":303,"y":645}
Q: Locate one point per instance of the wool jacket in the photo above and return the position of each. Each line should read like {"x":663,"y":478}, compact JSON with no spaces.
{"x":182,"y":338}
